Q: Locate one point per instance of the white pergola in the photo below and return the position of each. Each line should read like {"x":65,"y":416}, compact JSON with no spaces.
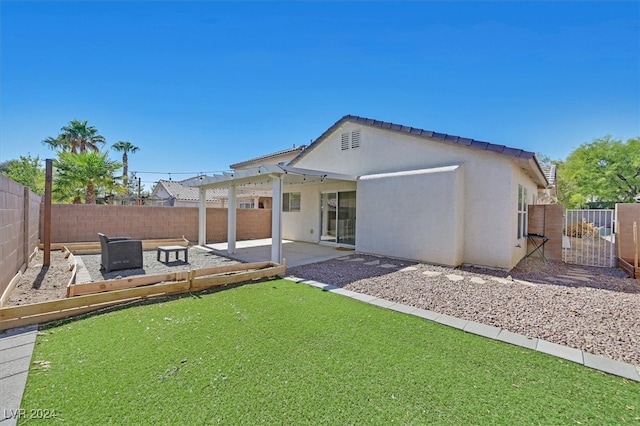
{"x":266,"y":177}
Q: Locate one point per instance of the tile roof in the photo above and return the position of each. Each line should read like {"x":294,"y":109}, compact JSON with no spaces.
{"x":267,"y":156}
{"x":487,"y":146}
{"x":518,"y":154}
{"x":187,"y":193}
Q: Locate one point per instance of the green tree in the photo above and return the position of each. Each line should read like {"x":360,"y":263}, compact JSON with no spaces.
{"x":84,"y":174}
{"x":27,"y":171}
{"x":125,"y":147}
{"x":605,"y":170}
{"x":76,"y":137}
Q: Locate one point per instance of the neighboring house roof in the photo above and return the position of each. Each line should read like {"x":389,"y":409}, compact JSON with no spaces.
{"x":549,"y":171}
{"x":427,"y":134}
{"x":270,"y":156}
{"x":180,"y":192}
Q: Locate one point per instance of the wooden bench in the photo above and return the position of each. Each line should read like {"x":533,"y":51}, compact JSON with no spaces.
{"x":172,"y":249}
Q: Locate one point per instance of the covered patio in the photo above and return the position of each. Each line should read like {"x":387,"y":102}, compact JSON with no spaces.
{"x":266,"y":177}
{"x":295,"y":253}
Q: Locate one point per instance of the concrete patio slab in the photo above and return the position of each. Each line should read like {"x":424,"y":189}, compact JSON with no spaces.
{"x":294,"y":252}
{"x":564,"y":352}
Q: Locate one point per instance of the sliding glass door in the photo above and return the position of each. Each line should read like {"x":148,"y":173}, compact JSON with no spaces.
{"x":338,"y":218}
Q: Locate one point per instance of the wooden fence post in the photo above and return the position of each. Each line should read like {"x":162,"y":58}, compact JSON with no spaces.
{"x":46,"y":261}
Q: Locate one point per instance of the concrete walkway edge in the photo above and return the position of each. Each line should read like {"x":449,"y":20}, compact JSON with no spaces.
{"x":16,"y":348}
{"x":597,"y":362}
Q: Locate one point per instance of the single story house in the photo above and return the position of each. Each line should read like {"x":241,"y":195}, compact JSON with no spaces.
{"x":399,"y":191}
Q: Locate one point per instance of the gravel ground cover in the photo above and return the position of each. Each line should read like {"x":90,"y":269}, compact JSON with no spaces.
{"x":198,"y":258}
{"x":593,"y":309}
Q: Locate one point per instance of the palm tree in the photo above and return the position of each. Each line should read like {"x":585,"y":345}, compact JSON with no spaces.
{"x":85,"y":174}
{"x":125,"y":147}
{"x":76,"y":137}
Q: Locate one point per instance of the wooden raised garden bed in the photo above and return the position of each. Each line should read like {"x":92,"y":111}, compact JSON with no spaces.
{"x":93,"y":296}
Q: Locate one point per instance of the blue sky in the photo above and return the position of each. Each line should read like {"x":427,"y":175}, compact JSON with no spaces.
{"x":201,"y":85}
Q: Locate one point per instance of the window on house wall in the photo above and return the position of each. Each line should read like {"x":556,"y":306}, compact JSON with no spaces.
{"x":246,"y":204}
{"x":291,"y":202}
{"x":522,"y":211}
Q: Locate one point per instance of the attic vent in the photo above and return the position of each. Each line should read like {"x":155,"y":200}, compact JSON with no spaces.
{"x":345,"y":141}
{"x":355,"y":139}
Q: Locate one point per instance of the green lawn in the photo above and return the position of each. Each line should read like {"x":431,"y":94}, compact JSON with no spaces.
{"x":283,"y":353}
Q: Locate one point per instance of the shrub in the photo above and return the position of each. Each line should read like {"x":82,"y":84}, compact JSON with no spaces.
{"x":581,"y":229}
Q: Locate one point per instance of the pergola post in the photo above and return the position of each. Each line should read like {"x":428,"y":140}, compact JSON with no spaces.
{"x":231,"y":220}
{"x":276,"y":219}
{"x":202,"y":216}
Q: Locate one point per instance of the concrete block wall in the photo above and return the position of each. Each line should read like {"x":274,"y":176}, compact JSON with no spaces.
{"x":82,"y":222}
{"x":626,"y":215}
{"x":17,"y":240}
{"x":548,"y":220}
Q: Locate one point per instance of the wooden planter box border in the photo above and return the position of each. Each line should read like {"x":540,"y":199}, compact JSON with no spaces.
{"x":627,"y":266}
{"x":109,"y":293}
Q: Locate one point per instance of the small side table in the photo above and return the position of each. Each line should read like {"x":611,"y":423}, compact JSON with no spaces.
{"x":172,"y":249}
{"x":538,"y":246}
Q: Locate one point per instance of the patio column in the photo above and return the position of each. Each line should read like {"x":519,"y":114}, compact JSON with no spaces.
{"x":276,"y":219}
{"x":231,"y":220}
{"x":202,"y":217}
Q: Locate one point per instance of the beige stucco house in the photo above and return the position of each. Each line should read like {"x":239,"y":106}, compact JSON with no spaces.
{"x":400,"y":191}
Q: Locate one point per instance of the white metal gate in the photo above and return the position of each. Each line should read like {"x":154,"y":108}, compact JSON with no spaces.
{"x":589,"y":238}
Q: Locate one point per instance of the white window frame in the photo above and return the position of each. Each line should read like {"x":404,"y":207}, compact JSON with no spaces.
{"x":289,"y":201}
{"x":246,"y":204}
{"x":522,"y":212}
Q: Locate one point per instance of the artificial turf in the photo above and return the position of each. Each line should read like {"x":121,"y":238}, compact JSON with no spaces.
{"x":277,"y":352}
